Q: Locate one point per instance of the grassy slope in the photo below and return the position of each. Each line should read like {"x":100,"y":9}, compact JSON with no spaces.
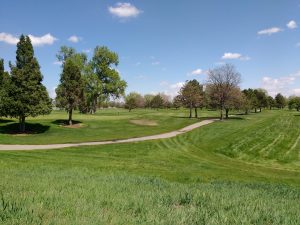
{"x":242,"y":171}
{"x":106,"y":124}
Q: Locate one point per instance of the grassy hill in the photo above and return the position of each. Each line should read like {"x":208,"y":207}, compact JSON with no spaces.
{"x":245,"y":170}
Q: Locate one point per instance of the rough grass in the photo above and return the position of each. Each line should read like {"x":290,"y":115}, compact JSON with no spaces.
{"x":228,"y":172}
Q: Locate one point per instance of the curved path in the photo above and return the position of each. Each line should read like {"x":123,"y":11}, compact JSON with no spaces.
{"x":146,"y":138}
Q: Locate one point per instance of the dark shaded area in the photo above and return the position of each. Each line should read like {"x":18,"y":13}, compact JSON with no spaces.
{"x":199,"y":118}
{"x":65,"y":122}
{"x":5,"y":120}
{"x":297,"y":115}
{"x":235,"y":118}
{"x":31,"y":128}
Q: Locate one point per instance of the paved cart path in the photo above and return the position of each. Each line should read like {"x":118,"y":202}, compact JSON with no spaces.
{"x":146,"y":138}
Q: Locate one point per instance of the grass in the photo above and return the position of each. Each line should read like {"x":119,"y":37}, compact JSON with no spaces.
{"x":107,"y":124}
{"x":241,"y":171}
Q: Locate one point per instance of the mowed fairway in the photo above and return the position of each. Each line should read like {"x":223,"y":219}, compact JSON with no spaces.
{"x":245,"y":170}
{"x":107,"y":124}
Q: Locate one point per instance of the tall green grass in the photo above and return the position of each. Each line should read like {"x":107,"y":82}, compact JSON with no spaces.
{"x":231,"y":172}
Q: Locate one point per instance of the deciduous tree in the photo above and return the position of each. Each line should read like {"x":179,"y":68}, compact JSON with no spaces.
{"x":221,"y":81}
{"x":70,"y":88}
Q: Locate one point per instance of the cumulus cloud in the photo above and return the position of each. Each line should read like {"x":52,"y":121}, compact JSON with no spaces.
{"x":171,"y":89}
{"x":124,"y":10}
{"x":269,"y":31}
{"x":196,"y":72}
{"x":292,"y":24}
{"x":230,"y":55}
{"x":280,"y":85}
{"x":74,"y":39}
{"x":47,"y":39}
{"x":8,"y":38}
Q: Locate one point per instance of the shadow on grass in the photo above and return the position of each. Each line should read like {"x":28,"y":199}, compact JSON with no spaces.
{"x":199,"y":118}
{"x":5,"y":120}
{"x":65,"y":122}
{"x":31,"y":128}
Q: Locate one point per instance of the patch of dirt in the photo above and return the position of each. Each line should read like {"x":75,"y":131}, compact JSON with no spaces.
{"x":21,"y":134}
{"x":74,"y":126}
{"x":144,"y":122}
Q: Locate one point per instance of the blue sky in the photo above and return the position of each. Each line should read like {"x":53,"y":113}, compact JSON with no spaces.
{"x":163,"y":43}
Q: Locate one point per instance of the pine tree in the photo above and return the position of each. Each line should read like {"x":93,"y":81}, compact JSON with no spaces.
{"x":27,"y":95}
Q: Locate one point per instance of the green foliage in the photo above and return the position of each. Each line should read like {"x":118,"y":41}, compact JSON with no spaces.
{"x":70,"y":89}
{"x":134,"y":100}
{"x":294,"y":103}
{"x":280,"y":101}
{"x":192,"y":95}
{"x":157,"y":102}
{"x":26,"y":94}
{"x":102,"y":65}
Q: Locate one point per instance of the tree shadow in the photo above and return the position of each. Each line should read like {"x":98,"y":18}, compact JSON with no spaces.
{"x":297,"y":115}
{"x":65,"y":122}
{"x":31,"y":128}
{"x":235,"y":118}
{"x":5,"y":120}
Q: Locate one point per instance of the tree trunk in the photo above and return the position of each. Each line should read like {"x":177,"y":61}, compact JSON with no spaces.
{"x":260,"y":109}
{"x":255,"y":110}
{"x":221,"y":114}
{"x":70,"y":116}
{"x":196,"y":112}
{"x":22,"y":124}
{"x":227,"y":113}
{"x":190,"y":111}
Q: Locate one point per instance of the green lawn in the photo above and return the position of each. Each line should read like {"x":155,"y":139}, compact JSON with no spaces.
{"x":107,"y":124}
{"x":245,"y":170}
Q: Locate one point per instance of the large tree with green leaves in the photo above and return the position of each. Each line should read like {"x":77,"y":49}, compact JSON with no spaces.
{"x":192,"y":95}
{"x":103,"y":65}
{"x":134,"y":100}
{"x":26,"y":94}
{"x":69,"y":91}
{"x":280,"y":101}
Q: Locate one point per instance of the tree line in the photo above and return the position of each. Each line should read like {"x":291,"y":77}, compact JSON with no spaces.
{"x":220,"y":92}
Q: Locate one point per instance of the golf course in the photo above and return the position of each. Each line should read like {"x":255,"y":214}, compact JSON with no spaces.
{"x":150,"y":112}
{"x":244,"y":170}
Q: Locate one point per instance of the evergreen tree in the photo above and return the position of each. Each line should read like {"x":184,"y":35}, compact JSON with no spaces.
{"x":27,"y":95}
{"x":4,"y":85}
{"x":69,"y":91}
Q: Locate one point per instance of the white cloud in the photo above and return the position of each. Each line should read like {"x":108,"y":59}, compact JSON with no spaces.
{"x":296,"y":91}
{"x":155,"y":63}
{"x":47,"y":39}
{"x":196,"y":72}
{"x":57,"y":63}
{"x":8,"y":38}
{"x":269,"y":31}
{"x":292,"y":24}
{"x":124,"y":10}
{"x":74,"y":39}
{"x":230,"y":55}
{"x":281,"y":85}
{"x":52,"y":92}
{"x":87,"y":50}
{"x":171,"y":89}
